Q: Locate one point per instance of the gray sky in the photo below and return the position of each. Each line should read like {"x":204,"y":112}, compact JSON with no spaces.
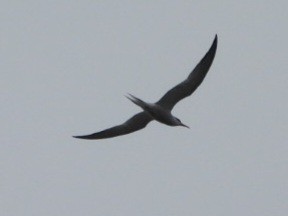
{"x":65,"y":66}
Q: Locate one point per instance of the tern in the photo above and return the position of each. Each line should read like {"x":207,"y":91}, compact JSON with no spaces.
{"x":161,"y":110}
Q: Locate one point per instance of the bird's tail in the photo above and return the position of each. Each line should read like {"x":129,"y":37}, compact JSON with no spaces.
{"x":137,"y":101}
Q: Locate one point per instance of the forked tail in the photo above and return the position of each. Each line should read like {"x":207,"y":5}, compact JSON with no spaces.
{"x":137,"y":101}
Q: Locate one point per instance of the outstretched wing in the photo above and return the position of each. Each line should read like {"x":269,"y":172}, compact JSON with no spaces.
{"x":137,"y":122}
{"x":195,"y":78}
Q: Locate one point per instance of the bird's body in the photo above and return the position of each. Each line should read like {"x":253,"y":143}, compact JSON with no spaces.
{"x":156,"y":111}
{"x":161,"y":110}
{"x":162,"y":115}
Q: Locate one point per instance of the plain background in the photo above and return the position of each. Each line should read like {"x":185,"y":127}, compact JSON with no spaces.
{"x":65,"y":68}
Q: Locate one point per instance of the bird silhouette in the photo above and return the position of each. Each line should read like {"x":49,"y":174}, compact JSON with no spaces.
{"x":161,"y":110}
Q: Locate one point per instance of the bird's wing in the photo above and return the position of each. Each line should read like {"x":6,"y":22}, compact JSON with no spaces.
{"x":135,"y":123}
{"x":188,"y":86}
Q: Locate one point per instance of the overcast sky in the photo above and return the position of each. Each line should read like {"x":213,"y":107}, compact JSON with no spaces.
{"x":65,"y":68}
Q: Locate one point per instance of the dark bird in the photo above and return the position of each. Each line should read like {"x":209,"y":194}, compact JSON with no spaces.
{"x":161,"y":110}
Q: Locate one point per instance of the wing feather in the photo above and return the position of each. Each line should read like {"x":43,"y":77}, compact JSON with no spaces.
{"x":137,"y":122}
{"x":195,"y":78}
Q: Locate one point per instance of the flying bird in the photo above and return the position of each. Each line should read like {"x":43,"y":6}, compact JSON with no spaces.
{"x":161,"y":110}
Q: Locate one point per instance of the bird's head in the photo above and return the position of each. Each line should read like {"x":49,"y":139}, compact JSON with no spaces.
{"x":179,"y":123}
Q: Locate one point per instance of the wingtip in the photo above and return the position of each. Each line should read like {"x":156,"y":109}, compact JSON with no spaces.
{"x":87,"y":137}
{"x":215,"y":39}
{"x":214,"y":45}
{"x":81,"y":137}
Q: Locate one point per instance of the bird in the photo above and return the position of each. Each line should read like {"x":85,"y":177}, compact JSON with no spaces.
{"x":161,"y":110}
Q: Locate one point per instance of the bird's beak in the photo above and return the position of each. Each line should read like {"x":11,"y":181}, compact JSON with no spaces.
{"x":184,"y":125}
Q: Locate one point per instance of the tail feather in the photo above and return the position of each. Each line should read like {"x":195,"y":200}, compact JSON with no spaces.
{"x":137,"y":101}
